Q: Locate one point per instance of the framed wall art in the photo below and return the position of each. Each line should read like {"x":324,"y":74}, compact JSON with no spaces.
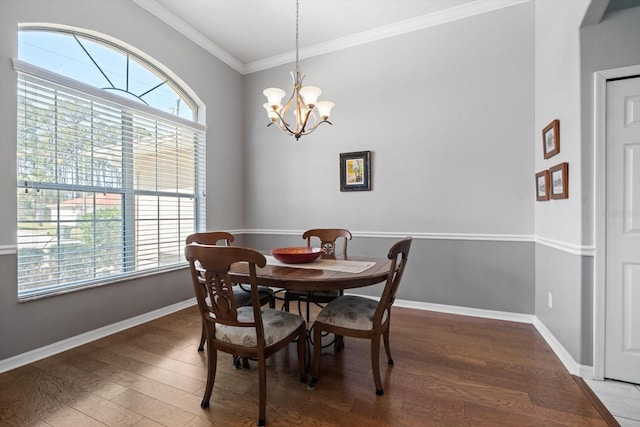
{"x":559,"y":181}
{"x":355,"y":171}
{"x":551,"y":139}
{"x":542,"y":186}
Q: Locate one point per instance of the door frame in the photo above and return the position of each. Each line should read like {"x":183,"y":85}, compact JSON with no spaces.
{"x":600,"y":188}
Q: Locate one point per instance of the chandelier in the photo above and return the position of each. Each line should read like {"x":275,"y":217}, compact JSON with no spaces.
{"x":303,"y":103}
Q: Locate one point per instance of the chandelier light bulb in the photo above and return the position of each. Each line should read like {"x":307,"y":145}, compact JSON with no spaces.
{"x":310,"y":95}
{"x":271,"y":112}
{"x":274,"y":95}
{"x":324,"y":109}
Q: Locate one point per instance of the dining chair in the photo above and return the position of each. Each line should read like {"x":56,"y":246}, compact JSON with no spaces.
{"x":329,"y":240}
{"x":241,"y":293}
{"x":247,"y":331}
{"x":361,"y":317}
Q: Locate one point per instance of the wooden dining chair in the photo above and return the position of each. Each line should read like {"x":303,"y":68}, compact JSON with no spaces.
{"x":360,"y":317}
{"x":329,"y":240}
{"x":240,"y":291}
{"x":248,"y":331}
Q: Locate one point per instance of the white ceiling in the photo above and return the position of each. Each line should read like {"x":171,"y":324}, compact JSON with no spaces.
{"x":250,"y":35}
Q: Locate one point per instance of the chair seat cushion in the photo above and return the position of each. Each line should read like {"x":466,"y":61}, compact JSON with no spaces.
{"x":277,"y":325}
{"x":350,"y":311}
{"x":243,"y":297}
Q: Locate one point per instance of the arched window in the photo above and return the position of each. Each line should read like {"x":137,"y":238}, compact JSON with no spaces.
{"x":110,"y":163}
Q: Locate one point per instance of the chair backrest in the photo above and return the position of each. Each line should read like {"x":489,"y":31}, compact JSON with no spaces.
{"x":210,"y":274}
{"x":398,"y":254}
{"x":328,"y":238}
{"x":210,"y":238}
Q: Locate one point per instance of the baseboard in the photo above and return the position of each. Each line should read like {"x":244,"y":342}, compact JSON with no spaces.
{"x":567,"y":360}
{"x":570,"y":364}
{"x":87,"y":337}
{"x":467,"y":311}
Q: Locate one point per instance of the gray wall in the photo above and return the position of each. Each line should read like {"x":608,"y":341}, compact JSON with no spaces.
{"x":448,"y":115}
{"x":566,"y":58}
{"x":479,"y":274}
{"x":559,"y":265}
{"x":569,"y":278}
{"x":26,"y":326}
{"x":613,"y":43}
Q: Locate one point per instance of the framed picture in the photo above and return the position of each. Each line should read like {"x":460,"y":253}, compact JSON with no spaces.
{"x":542,"y":186}
{"x":551,"y":139}
{"x":559,"y":177}
{"x":355,"y":171}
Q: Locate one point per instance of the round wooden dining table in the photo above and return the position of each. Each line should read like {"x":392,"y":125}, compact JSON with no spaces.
{"x":296,"y":277}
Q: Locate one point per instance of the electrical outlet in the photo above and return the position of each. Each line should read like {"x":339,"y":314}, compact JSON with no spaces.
{"x":550,"y":300}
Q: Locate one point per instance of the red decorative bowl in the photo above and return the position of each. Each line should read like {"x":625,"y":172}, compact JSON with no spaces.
{"x":296,"y":255}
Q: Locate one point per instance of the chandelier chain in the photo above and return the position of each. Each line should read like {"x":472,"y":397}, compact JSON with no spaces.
{"x":297,"y":37}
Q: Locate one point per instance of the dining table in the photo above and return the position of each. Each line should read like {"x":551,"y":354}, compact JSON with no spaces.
{"x":323,"y":274}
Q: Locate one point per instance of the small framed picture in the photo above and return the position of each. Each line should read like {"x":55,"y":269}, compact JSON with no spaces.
{"x":551,"y":139}
{"x":559,"y":177}
{"x":355,"y":171}
{"x":542,"y":186}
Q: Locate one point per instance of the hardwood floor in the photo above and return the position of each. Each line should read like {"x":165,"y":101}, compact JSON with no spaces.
{"x":450,"y":371}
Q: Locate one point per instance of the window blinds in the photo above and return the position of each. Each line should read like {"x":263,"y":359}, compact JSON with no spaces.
{"x":107,"y":188}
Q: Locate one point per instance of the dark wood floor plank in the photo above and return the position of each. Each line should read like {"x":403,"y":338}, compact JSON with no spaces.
{"x":450,"y":371}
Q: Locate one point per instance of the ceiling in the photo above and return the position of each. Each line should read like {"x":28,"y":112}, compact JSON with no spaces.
{"x":253,"y":35}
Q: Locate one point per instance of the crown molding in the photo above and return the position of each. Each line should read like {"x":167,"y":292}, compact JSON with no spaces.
{"x":386,"y":31}
{"x":409,"y":25}
{"x":191,"y":33}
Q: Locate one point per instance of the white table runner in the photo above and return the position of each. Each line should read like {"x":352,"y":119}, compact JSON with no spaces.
{"x":327,"y":264}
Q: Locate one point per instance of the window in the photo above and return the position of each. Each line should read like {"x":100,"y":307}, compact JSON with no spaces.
{"x":110,"y":164}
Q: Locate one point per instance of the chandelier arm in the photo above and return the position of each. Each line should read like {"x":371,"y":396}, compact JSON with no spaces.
{"x":316,"y":126}
{"x":306,"y":120}
{"x":283,"y":125}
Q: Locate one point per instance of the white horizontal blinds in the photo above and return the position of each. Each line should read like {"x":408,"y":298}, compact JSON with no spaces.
{"x":104,"y":190}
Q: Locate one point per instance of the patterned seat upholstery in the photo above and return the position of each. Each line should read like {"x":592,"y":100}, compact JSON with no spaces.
{"x":277,"y":325}
{"x":350,"y":311}
{"x":240,"y":292}
{"x":243,"y":331}
{"x":359,"y":317}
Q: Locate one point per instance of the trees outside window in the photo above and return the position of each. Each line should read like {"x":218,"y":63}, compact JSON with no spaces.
{"x":110,"y":180}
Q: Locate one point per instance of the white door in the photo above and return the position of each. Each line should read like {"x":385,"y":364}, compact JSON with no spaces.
{"x":622,"y":333}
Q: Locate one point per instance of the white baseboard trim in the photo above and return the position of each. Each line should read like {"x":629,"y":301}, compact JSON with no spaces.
{"x":567,"y":360}
{"x":87,"y":337}
{"x":570,"y":364}
{"x":467,"y":311}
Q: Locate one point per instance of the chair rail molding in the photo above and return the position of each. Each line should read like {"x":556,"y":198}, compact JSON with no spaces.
{"x":8,"y":249}
{"x":572,"y":248}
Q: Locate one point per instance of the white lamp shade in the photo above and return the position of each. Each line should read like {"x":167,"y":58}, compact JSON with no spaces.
{"x":310,"y":94}
{"x":324,"y":109}
{"x":270,"y":112}
{"x":274,"y":95}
